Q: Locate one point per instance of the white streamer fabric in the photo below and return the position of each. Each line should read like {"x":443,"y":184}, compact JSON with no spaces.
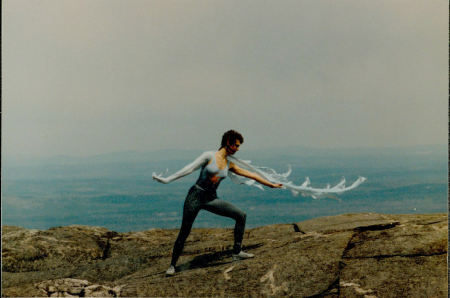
{"x":304,"y":189}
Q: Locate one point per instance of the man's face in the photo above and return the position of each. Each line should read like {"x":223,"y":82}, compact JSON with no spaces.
{"x":232,"y":149}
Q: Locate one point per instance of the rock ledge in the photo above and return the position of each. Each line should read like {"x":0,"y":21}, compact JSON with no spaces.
{"x":350,"y":255}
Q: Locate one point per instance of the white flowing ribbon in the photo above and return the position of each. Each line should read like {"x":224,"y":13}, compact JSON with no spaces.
{"x":304,"y":189}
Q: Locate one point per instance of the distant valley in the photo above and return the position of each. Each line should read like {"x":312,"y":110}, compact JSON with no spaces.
{"x":116,"y":190}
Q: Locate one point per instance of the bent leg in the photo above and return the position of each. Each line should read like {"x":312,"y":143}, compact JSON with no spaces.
{"x":190,"y":211}
{"x":227,"y":209}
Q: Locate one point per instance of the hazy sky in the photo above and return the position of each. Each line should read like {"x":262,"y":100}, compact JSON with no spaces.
{"x":89,"y":77}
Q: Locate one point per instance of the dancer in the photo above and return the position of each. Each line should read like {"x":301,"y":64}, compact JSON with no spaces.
{"x":202,"y":195}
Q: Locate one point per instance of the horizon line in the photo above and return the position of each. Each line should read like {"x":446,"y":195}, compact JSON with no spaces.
{"x":22,"y":156}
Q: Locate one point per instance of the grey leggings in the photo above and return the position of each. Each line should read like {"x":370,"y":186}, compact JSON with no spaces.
{"x":198,"y":199}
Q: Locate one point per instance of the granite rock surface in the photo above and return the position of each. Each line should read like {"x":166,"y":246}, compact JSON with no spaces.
{"x":350,"y":255}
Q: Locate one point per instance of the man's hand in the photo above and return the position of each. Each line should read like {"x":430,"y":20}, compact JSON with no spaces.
{"x":276,"y":185}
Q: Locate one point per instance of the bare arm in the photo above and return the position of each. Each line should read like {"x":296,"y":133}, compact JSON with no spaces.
{"x":242,"y":172}
{"x":196,"y":164}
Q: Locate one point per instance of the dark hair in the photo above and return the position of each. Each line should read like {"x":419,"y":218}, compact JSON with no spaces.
{"x":230,"y":137}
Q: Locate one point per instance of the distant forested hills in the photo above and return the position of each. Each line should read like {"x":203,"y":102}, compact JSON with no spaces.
{"x":133,"y":164}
